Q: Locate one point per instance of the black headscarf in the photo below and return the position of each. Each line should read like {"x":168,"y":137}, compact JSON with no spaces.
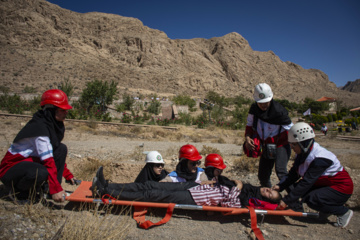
{"x":43,"y":123}
{"x":275,"y":114}
{"x":222,"y":180}
{"x":249,"y":191}
{"x":148,"y":174}
{"x":182,"y":170}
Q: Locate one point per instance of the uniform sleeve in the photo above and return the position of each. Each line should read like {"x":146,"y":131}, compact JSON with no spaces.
{"x":249,"y":130}
{"x":289,"y":179}
{"x":54,"y":185}
{"x":67,"y":174}
{"x":45,"y":152}
{"x":315,"y":170}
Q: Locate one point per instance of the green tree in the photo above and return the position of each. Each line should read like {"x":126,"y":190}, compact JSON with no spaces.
{"x":128,"y":101}
{"x":185,"y":100}
{"x":218,"y":99}
{"x":97,"y":95}
{"x":154,"y":107}
{"x":67,"y":87}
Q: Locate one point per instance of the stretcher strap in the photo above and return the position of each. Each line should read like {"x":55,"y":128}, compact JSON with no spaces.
{"x":139,"y":216}
{"x":254,"y":226}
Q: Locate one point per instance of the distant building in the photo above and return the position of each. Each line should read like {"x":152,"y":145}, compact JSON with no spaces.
{"x":330,"y":101}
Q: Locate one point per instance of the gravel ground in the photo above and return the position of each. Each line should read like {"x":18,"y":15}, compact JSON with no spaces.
{"x":125,"y":152}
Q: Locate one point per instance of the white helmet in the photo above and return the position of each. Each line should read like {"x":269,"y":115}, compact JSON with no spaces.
{"x":263,"y":93}
{"x":300,"y":132}
{"x":154,"y":157}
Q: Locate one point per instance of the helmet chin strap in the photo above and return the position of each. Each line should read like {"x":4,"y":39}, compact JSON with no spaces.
{"x":306,"y":148}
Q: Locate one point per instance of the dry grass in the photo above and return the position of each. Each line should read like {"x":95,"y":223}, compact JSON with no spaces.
{"x":98,"y":223}
{"x":207,"y":150}
{"x":245,"y":163}
{"x":89,"y":166}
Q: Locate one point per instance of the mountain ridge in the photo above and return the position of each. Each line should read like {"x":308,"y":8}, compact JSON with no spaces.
{"x":42,"y":44}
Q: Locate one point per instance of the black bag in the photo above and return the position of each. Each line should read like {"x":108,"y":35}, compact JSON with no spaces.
{"x":270,"y":151}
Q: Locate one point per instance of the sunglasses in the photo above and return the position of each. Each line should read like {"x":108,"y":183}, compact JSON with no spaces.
{"x":197,"y":163}
{"x":158,"y":165}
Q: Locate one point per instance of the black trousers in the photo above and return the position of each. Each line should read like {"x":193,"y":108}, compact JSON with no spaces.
{"x":166,"y":192}
{"x":266,"y":165}
{"x":29,"y":175}
{"x":327,"y":200}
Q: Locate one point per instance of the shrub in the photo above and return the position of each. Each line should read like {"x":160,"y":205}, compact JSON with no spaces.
{"x":154,"y":107}
{"x":207,"y":150}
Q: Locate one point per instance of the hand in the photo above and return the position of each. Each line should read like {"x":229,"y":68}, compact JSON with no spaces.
{"x":73,"y":181}
{"x":276,"y":188}
{"x":239,"y":184}
{"x":59,"y":197}
{"x":249,"y":143}
{"x":281,"y":205}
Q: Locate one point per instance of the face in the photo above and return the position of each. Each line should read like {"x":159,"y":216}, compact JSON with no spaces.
{"x":158,"y":167}
{"x":269,"y":193}
{"x":60,"y":114}
{"x":192,"y":165}
{"x":264,"y":106}
{"x":295,"y":147}
{"x":217,"y":172}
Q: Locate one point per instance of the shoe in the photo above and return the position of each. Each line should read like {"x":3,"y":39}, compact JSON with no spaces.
{"x":97,"y":188}
{"x":100,"y":176}
{"x":343,"y":220}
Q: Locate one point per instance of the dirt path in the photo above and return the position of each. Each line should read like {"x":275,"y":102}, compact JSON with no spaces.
{"x":125,"y":151}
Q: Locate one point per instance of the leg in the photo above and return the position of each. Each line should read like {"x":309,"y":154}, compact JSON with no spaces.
{"x":154,"y":195}
{"x":327,"y":200}
{"x":281,"y":161}
{"x":265,"y":169}
{"x":60,"y":156}
{"x":150,"y":185}
{"x":25,"y":176}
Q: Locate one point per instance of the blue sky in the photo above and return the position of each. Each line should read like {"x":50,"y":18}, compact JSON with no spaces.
{"x":320,"y":34}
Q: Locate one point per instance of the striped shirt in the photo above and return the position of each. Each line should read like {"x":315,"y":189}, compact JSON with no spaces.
{"x":218,"y":195}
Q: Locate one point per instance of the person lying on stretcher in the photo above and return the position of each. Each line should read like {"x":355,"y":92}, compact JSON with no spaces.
{"x":218,"y":191}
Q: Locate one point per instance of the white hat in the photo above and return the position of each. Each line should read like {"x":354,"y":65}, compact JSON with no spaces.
{"x":154,"y":157}
{"x":263,"y":93}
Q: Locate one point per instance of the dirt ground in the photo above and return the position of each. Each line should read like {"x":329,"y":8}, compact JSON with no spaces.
{"x":120,"y":149}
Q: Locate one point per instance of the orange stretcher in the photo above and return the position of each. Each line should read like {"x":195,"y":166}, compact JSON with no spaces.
{"x":83,"y":194}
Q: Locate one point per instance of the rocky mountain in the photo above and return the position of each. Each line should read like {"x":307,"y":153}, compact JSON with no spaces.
{"x":42,"y":45}
{"x":352,"y":86}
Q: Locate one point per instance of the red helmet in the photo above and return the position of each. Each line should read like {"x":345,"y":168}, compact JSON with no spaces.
{"x":214,"y":160}
{"x":189,"y":152}
{"x":55,"y":97}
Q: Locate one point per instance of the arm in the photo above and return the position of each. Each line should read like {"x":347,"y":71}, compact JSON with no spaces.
{"x":315,"y":170}
{"x":288,"y":180}
{"x":166,"y":179}
{"x":249,"y":132}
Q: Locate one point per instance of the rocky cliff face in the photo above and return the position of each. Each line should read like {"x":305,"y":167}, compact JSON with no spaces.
{"x":352,"y":86}
{"x":42,"y":44}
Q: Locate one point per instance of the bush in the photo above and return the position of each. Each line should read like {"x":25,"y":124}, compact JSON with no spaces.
{"x":67,"y":87}
{"x":185,"y":118}
{"x":98,"y":93}
{"x":154,"y":107}
{"x":207,"y":150}
{"x":185,"y":100}
{"x":201,"y":121}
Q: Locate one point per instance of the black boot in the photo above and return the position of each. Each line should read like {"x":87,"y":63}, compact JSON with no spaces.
{"x":97,"y":188}
{"x":100,"y":176}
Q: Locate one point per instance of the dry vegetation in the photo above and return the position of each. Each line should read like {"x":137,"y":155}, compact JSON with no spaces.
{"x":120,"y":150}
